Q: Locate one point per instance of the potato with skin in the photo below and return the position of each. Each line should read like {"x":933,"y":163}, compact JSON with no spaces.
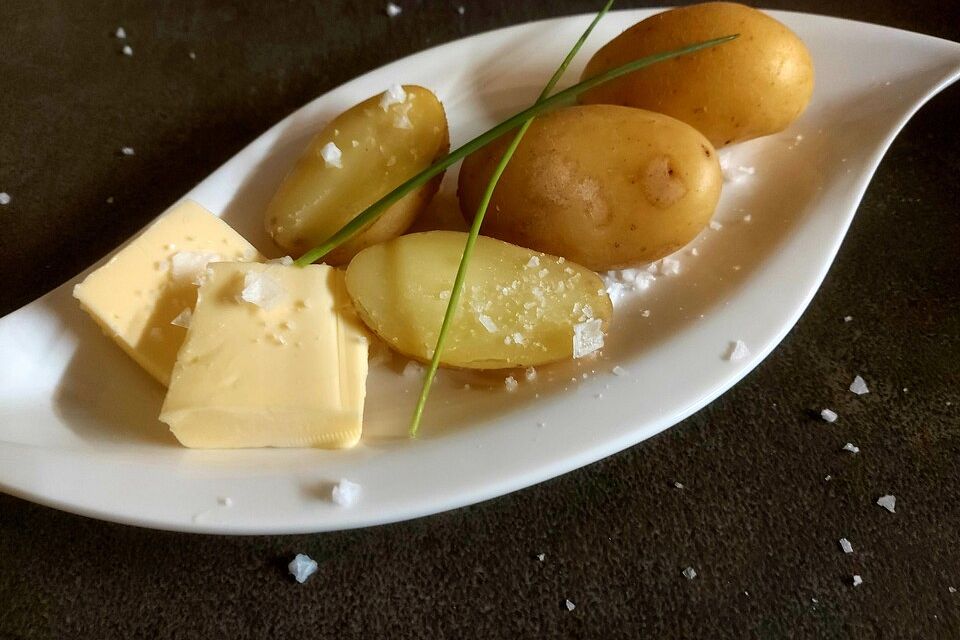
{"x":383,"y":142}
{"x":601,"y":185}
{"x":519,"y":308}
{"x":753,"y":86}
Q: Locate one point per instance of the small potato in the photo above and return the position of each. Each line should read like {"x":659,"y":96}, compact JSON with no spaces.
{"x":604,"y":186}
{"x":519,"y":308}
{"x":753,"y":86}
{"x":382,"y":144}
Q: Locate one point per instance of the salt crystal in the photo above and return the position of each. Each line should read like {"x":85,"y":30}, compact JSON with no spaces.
{"x":262,"y":289}
{"x":393,"y":10}
{"x":127,"y":50}
{"x":302,"y":567}
{"x":858,"y":386}
{"x":619,"y":371}
{"x":952,"y":589}
{"x":193,"y":56}
{"x":645,"y":313}
{"x":888,"y":502}
{"x":846,"y":546}
{"x":829,"y":415}
{"x":852,"y":448}
{"x":285,"y":261}
{"x":587,"y":337}
{"x":738,"y":351}
{"x":331,"y":155}
{"x":678,"y":485}
{"x":354,"y":144}
{"x":127,"y":151}
{"x":827,"y":478}
{"x":461,"y":9}
{"x":190,"y":266}
{"x":4,"y":197}
{"x":716,"y":226}
{"x":533,"y":262}
{"x":120,"y":33}
{"x":413,"y":369}
{"x":530,"y":374}
{"x":570,"y":606}
{"x":345,"y":493}
{"x":848,"y":318}
{"x":670,"y":266}
{"x":694,"y":252}
{"x":511,"y":384}
{"x":183,"y":318}
{"x":857,"y":580}
{"x":487,"y":323}
{"x":541,"y":556}
{"x":690,"y":573}
{"x":747,"y":218}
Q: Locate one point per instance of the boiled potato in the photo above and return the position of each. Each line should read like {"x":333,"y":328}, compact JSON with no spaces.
{"x":753,"y":86}
{"x":602,"y":185}
{"x":382,"y":142}
{"x":519,"y":308}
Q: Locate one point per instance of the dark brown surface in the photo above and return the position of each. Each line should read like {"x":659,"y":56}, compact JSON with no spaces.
{"x":756,"y":518}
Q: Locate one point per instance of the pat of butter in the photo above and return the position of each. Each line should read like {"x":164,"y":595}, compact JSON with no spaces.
{"x":274,"y":357}
{"x":139,"y":291}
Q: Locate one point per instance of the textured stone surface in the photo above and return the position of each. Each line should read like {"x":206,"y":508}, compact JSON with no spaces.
{"x":756,"y":519}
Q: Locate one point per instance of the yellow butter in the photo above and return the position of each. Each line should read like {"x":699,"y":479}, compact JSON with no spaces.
{"x":135,"y":296}
{"x":289,"y":375}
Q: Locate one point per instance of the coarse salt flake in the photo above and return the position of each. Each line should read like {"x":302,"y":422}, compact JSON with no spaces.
{"x":828,"y":415}
{"x":127,"y":50}
{"x":570,"y":606}
{"x":190,"y":266}
{"x":302,"y":567}
{"x":859,"y":386}
{"x":857,"y":580}
{"x":127,"y":151}
{"x":541,"y":556}
{"x":332,"y":156}
{"x":533,"y":262}
{"x":5,"y":197}
{"x":670,"y":266}
{"x":183,"y":318}
{"x":738,"y":351}
{"x":487,"y":323}
{"x":678,"y":485}
{"x":413,"y":369}
{"x":285,"y":261}
{"x":852,"y":448}
{"x":690,"y":573}
{"x":393,"y":10}
{"x":345,"y":493}
{"x":848,"y":318}
{"x":587,"y":337}
{"x":619,"y":371}
{"x":846,"y":546}
{"x":888,"y":502}
{"x":716,"y":226}
{"x":262,"y":290}
{"x":394,"y":94}
{"x":511,"y":384}
{"x":530,"y":374}
{"x":120,"y":33}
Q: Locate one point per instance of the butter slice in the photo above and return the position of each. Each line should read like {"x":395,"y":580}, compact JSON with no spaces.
{"x":134,"y":296}
{"x":292,"y":374}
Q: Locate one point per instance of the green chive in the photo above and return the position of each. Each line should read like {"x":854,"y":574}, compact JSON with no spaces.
{"x":478,"y":220}
{"x":375,"y":210}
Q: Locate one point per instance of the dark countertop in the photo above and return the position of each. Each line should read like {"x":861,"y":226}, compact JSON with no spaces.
{"x":756,"y":518}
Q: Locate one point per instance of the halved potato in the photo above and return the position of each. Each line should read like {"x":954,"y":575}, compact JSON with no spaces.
{"x":376,"y":146}
{"x":519,"y":308}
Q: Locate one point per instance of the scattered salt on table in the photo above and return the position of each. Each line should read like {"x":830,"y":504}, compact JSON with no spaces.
{"x":846,"y":546}
{"x":127,"y":151}
{"x":857,"y":580}
{"x":127,"y":50}
{"x":829,"y":415}
{"x":888,"y":502}
{"x":5,"y":197}
{"x":859,"y":386}
{"x":302,"y":567}
{"x":120,"y":33}
{"x":852,"y":448}
{"x":541,"y":556}
{"x":690,"y":573}
{"x":393,"y":10}
{"x":570,"y":606}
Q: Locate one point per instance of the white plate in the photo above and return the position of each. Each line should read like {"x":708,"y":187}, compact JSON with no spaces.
{"x":78,"y":425}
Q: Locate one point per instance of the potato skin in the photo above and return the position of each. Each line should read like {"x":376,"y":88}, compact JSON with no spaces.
{"x":753,"y":86}
{"x":314,"y":200}
{"x":602,"y":185}
{"x":518,"y":307}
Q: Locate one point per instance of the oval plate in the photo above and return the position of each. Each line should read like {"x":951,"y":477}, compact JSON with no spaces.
{"x":78,"y":419}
